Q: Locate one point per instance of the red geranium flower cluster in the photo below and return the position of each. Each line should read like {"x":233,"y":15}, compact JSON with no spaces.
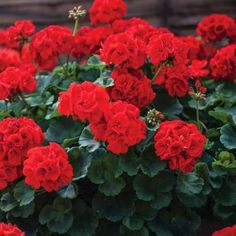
{"x":14,"y":36}
{"x":17,"y":136}
{"x":48,"y":44}
{"x":124,"y":49}
{"x":17,"y":80}
{"x":85,"y":101}
{"x":228,"y":231}
{"x":179,"y":143}
{"x":132,"y":86}
{"x":165,"y":47}
{"x":7,"y":229}
{"x":105,"y":11}
{"x":9,"y":58}
{"x":120,"y":127}
{"x":216,"y":27}
{"x":223,"y":64}
{"x":88,"y":40}
{"x":117,"y":123}
{"x":48,"y":167}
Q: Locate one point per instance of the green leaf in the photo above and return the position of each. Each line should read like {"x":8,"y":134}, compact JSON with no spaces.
{"x":228,"y":136}
{"x":133,"y":223}
{"x":23,"y":211}
{"x":129,"y":163}
{"x":7,"y":202}
{"x":148,"y":189}
{"x":112,"y":186}
{"x":223,"y":212}
{"x":63,"y":128}
{"x":169,"y":106}
{"x":85,"y":220}
{"x":86,"y":140}
{"x":70,"y":191}
{"x":162,"y":200}
{"x":80,"y":160}
{"x":105,"y":80}
{"x":160,"y":229}
{"x":23,"y":193}
{"x":58,"y":217}
{"x":113,"y":208}
{"x":95,"y":62}
{"x":189,"y":184}
{"x":127,"y":232}
{"x":226,"y":196}
{"x":192,"y":200}
{"x":226,"y":92}
{"x":151,"y":165}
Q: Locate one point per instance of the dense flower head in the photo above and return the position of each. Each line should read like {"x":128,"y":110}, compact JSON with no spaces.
{"x":17,"y":80}
{"x":228,"y":231}
{"x":121,"y":127}
{"x":48,"y":167}
{"x":216,"y":27}
{"x":7,"y":229}
{"x":48,"y":44}
{"x":124,"y":49}
{"x":85,"y":101}
{"x":17,"y":136}
{"x":131,"y":86}
{"x":88,"y":40}
{"x":223,"y":64}
{"x":198,"y":69}
{"x":14,"y":36}
{"x":166,"y":47}
{"x":175,"y":79}
{"x":8,"y":58}
{"x":105,"y":11}
{"x":179,"y":143}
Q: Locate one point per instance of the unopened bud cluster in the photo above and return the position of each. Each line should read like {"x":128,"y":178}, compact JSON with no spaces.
{"x":153,"y":117}
{"x":200,"y":94}
{"x":76,"y":13}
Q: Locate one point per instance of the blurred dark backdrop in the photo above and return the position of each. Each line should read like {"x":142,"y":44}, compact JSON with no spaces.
{"x":180,"y":16}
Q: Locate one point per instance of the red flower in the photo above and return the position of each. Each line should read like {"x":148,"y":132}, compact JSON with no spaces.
{"x":9,"y":57}
{"x":223,"y":64}
{"x":132,"y":86}
{"x":124,"y":49}
{"x":180,"y":143}
{"x":48,"y":44}
{"x":120,"y":127}
{"x":89,"y":40}
{"x":228,"y":231}
{"x":86,"y":101}
{"x":17,"y":136}
{"x":216,"y":27}
{"x":14,"y":36}
{"x":48,"y":167}
{"x":166,"y":48}
{"x":7,"y":229}
{"x":197,"y":69}
{"x":15,"y":80}
{"x":175,"y":79}
{"x":104,"y":11}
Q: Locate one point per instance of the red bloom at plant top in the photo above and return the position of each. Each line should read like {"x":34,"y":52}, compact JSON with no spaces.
{"x":179,"y":143}
{"x":48,"y":167}
{"x":7,"y":229}
{"x":16,"y":35}
{"x":132,"y":86}
{"x":106,"y":11}
{"x":85,"y":101}
{"x":48,"y":44}
{"x":228,"y":231}
{"x":17,"y":136}
{"x":9,"y":58}
{"x":17,"y":80}
{"x":124,"y":49}
{"x":216,"y":27}
{"x":121,"y":127}
{"x":223,"y":64}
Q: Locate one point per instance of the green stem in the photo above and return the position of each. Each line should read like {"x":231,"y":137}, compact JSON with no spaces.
{"x":158,"y":72}
{"x":24,"y":101}
{"x":198,"y":115}
{"x":76,"y":27}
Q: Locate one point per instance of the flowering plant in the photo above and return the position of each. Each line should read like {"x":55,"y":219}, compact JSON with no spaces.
{"x":119,"y":127}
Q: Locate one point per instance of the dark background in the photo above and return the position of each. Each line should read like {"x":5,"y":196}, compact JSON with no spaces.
{"x":180,"y":16}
